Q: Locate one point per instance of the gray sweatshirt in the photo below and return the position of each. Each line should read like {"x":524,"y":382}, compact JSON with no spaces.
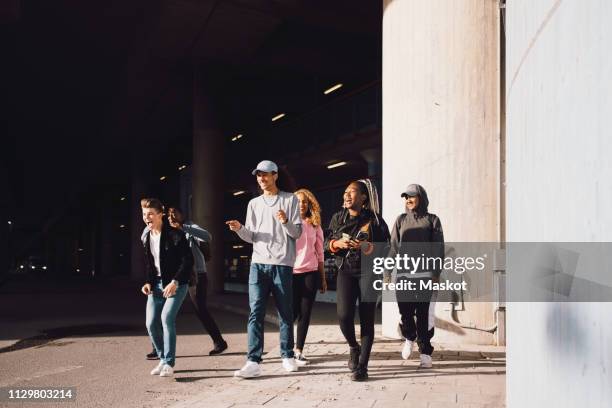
{"x":198,"y":234}
{"x":273,"y":242}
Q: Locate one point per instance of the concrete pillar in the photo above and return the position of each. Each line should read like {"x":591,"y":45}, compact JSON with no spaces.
{"x":208,"y":174}
{"x":372,"y":157}
{"x":558,"y":176}
{"x":136,"y":225}
{"x":441,"y":91}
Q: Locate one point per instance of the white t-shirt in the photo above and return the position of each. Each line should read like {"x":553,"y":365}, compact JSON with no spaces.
{"x":154,"y":243}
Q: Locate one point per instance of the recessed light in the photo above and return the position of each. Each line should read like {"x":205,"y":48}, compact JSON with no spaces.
{"x":332,"y":89}
{"x":182,"y":167}
{"x":122,"y":198}
{"x":162,"y":178}
{"x":237,"y":193}
{"x":277,"y":117}
{"x":339,"y":164}
{"x":237,"y":246}
{"x":122,"y":226}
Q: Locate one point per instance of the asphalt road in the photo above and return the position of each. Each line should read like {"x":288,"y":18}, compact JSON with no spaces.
{"x":108,"y":369}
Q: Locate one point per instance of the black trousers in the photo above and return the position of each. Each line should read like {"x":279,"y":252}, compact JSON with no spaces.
{"x":305,"y":286}
{"x":198,"y":296}
{"x":348,"y":291}
{"x":419,"y":330}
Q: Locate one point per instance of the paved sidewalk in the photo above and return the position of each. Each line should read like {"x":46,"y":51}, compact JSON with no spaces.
{"x":471,"y":376}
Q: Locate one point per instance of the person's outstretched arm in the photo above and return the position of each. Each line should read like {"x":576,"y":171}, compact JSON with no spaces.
{"x":198,"y":232}
{"x":245,"y":232}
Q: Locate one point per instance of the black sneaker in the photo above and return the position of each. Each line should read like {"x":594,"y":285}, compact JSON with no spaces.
{"x":152,"y":355}
{"x":219,"y":348}
{"x":360,"y":374}
{"x":354,"y":358}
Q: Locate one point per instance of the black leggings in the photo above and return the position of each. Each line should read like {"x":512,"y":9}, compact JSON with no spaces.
{"x":348,"y":291}
{"x":305,"y":286}
{"x":198,"y":297}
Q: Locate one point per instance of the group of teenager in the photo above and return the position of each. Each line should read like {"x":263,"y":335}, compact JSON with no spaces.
{"x":289,"y":248}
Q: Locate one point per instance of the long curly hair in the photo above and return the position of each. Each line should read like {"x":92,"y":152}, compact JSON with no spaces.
{"x":313,"y":215}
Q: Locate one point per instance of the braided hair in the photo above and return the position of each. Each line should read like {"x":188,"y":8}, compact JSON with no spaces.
{"x":371,"y":203}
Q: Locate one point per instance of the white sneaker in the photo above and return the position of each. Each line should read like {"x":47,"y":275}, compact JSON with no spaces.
{"x":249,"y":370}
{"x":300,"y":359}
{"x":166,"y":371}
{"x":157,"y":369}
{"x":425,"y":361}
{"x":407,"y":349}
{"x":289,"y":365}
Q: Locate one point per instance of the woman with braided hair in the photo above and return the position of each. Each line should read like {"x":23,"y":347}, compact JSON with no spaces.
{"x":357,"y":227}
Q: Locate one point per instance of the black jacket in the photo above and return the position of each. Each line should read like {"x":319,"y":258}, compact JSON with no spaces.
{"x":175,"y":257}
{"x":342,"y":222}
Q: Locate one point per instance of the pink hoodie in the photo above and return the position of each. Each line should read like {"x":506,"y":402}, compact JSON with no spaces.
{"x":308,"y":249}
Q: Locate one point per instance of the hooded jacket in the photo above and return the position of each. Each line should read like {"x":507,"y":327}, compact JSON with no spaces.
{"x":418,"y":226}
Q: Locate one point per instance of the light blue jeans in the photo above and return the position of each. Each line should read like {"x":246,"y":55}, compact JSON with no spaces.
{"x":264,"y":279}
{"x":161,"y":320}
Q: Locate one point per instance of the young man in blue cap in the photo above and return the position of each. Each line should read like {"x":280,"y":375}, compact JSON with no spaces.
{"x":272,"y":225}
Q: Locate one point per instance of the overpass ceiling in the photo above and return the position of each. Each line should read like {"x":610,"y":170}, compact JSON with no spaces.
{"x":89,"y":83}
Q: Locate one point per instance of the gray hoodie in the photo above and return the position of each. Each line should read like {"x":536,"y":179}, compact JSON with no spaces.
{"x":418,"y":226}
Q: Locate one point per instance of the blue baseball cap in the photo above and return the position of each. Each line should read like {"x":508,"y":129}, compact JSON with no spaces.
{"x":265,"y":166}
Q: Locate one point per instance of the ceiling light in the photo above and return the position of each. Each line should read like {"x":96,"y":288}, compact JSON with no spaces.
{"x":162,"y":178}
{"x":10,"y":223}
{"x":237,"y":246}
{"x":80,"y":249}
{"x":333,"y":166}
{"x":237,"y":193}
{"x":332,"y":89}
{"x":122,"y":226}
{"x":182,"y":167}
{"x":238,"y":136}
{"x":45,"y":268}
{"x":277,"y":117}
{"x":122,"y":198}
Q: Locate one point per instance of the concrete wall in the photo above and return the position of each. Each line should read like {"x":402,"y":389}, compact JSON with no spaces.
{"x":559,"y":173}
{"x":441,"y":83}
